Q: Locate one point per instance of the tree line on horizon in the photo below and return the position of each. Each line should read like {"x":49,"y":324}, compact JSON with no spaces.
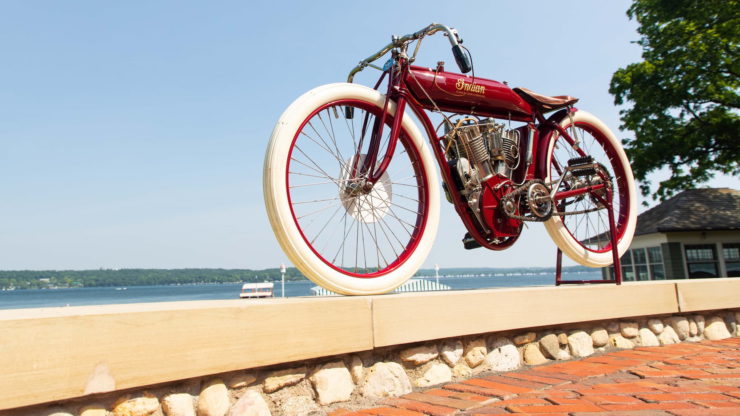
{"x":44,"y":279}
{"x":30,"y":279}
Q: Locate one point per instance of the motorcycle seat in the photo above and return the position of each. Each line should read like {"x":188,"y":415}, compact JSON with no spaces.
{"x":544,"y":102}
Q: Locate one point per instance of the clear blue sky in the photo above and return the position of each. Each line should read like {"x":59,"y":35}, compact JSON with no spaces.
{"x":132,"y":133}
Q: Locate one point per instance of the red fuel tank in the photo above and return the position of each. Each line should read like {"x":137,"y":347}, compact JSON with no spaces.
{"x":464,"y":94}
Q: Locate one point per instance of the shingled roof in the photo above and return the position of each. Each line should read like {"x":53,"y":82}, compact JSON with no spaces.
{"x":693,"y":210}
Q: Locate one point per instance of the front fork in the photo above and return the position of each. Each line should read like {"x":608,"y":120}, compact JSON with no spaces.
{"x":366,"y":174}
{"x":377,"y":171}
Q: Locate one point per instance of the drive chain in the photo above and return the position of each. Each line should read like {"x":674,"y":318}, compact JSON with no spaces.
{"x":523,"y":189}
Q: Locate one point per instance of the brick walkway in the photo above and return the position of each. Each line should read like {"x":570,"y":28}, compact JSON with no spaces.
{"x":680,"y":380}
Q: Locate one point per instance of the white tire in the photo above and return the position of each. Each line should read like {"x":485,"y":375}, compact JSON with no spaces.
{"x":581,"y":236}
{"x":293,"y":169}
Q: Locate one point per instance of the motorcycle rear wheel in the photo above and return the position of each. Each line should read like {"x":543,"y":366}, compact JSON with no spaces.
{"x":585,"y":237}
{"x":344,"y":239}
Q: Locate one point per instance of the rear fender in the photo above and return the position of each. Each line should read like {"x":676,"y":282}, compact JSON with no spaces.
{"x":546,"y":131}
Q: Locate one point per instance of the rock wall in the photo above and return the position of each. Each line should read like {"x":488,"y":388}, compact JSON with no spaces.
{"x":316,"y":387}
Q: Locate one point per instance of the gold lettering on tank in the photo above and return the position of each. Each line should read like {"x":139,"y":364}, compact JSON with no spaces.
{"x":470,"y":87}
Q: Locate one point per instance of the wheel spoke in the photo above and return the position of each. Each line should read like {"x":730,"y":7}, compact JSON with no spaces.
{"x":332,"y":135}
{"x":315,"y":201}
{"x":325,"y":225}
{"x":311,"y":184}
{"x":316,"y":211}
{"x":395,"y":237}
{"x":317,"y":169}
{"x":324,"y":146}
{"x":374,"y":235}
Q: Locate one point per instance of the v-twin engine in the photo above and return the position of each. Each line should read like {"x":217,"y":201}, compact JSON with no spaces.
{"x":482,"y":148}
{"x":483,"y":156}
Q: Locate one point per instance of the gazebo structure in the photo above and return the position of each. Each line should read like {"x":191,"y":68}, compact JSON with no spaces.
{"x":695,"y":234}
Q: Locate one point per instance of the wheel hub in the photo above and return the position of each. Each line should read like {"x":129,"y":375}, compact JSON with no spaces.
{"x":364,"y":201}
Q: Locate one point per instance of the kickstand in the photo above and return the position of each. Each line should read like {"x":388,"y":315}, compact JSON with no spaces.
{"x":617,"y":278}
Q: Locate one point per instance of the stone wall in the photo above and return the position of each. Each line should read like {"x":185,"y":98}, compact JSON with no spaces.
{"x":316,"y":387}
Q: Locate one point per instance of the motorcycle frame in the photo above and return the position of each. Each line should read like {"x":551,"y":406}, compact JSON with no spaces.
{"x":540,"y":128}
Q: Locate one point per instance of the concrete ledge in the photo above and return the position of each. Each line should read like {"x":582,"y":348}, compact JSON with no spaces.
{"x":55,"y":354}
{"x":48,"y":355}
{"x":413,"y":317}
{"x":708,"y":294}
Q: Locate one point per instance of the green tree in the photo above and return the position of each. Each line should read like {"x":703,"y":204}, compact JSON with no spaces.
{"x":682,"y":100}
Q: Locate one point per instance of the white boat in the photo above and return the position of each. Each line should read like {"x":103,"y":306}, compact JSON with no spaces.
{"x":257,"y":290}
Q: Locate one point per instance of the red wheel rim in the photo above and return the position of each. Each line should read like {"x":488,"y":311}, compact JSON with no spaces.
{"x":406,"y":153}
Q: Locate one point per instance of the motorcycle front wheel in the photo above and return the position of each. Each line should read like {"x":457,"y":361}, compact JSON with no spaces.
{"x":582,"y":231}
{"x":348,"y":238}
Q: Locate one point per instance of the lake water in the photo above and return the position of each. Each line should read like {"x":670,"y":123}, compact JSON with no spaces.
{"x":16,"y":299}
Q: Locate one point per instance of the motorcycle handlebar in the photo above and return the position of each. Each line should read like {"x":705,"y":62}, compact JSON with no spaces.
{"x":460,"y":57}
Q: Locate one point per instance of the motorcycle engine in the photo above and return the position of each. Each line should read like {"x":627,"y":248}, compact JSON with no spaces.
{"x":483,"y":155}
{"x":483,"y":148}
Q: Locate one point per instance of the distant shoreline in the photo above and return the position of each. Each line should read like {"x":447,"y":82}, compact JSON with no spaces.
{"x":59,"y":279}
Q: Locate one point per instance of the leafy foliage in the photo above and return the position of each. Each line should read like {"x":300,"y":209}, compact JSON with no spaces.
{"x":684,"y":95}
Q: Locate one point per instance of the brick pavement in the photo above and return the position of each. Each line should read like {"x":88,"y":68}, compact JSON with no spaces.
{"x":674,"y":380}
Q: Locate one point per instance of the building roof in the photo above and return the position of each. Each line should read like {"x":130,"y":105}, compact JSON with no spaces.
{"x":706,"y":209}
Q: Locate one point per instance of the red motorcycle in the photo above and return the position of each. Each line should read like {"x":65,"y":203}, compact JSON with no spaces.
{"x":351,"y":188}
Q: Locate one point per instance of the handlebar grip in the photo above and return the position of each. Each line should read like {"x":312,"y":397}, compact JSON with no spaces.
{"x":462,"y":59}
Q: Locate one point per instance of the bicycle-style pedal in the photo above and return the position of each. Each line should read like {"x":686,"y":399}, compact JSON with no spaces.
{"x":583,"y":160}
{"x":583,"y":172}
{"x":588,"y":166}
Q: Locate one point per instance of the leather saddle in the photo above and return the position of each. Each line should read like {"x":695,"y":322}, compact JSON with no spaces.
{"x":544,"y":102}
